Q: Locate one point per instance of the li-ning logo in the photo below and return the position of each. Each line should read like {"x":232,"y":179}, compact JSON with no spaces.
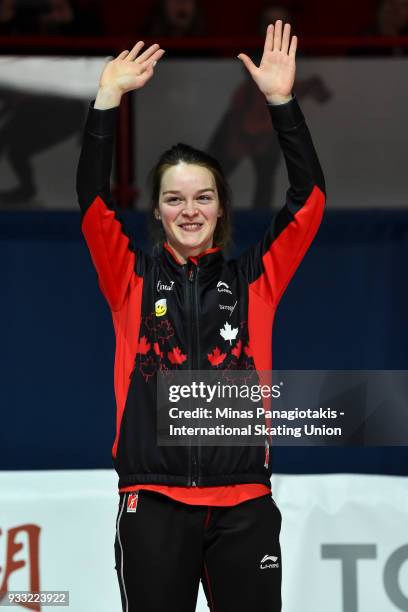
{"x":227,"y":307}
{"x":132,"y":502}
{"x":223,"y":287}
{"x":162,"y":287}
{"x":265,"y":565}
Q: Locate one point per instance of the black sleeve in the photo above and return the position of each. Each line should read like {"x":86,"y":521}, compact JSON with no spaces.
{"x":270,"y":263}
{"x":118,"y":263}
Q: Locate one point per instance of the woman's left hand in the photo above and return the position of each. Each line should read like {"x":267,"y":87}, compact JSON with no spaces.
{"x":276,"y":72}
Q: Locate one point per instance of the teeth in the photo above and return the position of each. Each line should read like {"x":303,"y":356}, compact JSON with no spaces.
{"x":190,"y":225}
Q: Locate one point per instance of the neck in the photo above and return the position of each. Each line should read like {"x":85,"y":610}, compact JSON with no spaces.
{"x":184,"y":253}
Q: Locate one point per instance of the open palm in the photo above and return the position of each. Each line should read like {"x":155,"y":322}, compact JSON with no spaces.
{"x":129,"y":70}
{"x":275,"y":74}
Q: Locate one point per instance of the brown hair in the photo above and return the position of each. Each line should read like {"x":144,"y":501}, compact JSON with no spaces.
{"x":185,"y":153}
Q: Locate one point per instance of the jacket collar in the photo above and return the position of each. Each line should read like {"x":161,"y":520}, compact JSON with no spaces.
{"x":206,"y":259}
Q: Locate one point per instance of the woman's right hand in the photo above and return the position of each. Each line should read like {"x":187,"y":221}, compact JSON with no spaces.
{"x":128,"y":71}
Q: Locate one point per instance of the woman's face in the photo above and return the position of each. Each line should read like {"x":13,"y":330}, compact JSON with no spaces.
{"x":189,"y":208}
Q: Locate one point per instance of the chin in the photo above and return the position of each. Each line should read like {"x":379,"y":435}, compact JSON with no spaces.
{"x":193,"y":244}
{"x":195,"y":240}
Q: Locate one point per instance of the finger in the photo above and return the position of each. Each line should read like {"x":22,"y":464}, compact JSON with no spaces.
{"x":286,"y":38}
{"x":153,"y":59}
{"x":277,"y":37}
{"x":122,"y":55}
{"x":137,"y":47}
{"x":268,"y":46}
{"x":149,"y":52}
{"x":248,"y":63}
{"x":293,"y":46}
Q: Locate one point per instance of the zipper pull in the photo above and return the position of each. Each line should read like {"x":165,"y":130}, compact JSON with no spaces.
{"x":191,"y":273}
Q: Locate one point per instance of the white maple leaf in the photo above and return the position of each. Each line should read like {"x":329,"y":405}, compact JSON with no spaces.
{"x":228,"y":333}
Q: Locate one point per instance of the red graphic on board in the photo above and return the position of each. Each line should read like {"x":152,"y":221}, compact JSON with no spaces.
{"x":27,"y":552}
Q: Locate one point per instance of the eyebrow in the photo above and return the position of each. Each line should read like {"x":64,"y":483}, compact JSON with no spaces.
{"x":177,"y":191}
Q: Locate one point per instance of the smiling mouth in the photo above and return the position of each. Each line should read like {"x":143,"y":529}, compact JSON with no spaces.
{"x":191,"y":227}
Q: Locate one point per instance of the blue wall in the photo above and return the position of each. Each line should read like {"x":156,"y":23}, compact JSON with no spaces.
{"x":345,"y":308}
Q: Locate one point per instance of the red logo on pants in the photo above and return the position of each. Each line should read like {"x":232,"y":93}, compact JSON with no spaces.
{"x":132,"y":502}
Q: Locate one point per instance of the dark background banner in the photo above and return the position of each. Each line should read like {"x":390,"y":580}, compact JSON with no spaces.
{"x":344,"y":309}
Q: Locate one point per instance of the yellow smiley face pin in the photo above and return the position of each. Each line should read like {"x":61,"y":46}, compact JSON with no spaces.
{"x":160,"y":307}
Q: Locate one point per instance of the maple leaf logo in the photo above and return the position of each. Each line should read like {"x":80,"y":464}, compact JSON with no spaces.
{"x":228,"y":333}
{"x":216,"y":357}
{"x":143,"y":346}
{"x":176,"y":356}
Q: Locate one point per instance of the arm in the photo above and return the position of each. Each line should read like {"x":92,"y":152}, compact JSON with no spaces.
{"x":112,"y":252}
{"x":270,"y":264}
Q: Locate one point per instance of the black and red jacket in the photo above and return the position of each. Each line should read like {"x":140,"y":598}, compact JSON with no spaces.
{"x":188,"y":335}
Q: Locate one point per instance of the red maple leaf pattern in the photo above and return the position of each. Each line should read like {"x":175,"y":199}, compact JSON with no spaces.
{"x":236,"y":351}
{"x":247,"y":350}
{"x":150,"y":321}
{"x":159,"y":336}
{"x":157,"y":350}
{"x":165,"y":330}
{"x":147,"y":368}
{"x":216,"y":357}
{"x":166,"y":371}
{"x":143,"y":346}
{"x":176,"y":356}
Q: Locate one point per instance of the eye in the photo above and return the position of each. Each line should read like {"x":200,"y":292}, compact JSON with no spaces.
{"x":173,"y":199}
{"x":205,"y":197}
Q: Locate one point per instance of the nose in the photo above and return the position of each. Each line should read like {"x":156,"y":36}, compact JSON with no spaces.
{"x":190,"y":210}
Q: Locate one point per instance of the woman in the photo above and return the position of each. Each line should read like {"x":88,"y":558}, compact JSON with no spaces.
{"x":191,"y":512}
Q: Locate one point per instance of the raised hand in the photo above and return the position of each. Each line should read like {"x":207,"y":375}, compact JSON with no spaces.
{"x":275,"y":74}
{"x":127,"y":72}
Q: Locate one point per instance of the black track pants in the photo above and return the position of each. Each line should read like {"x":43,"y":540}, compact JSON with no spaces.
{"x":164,"y":547}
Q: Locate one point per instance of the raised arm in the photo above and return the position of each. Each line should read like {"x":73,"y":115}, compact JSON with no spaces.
{"x":270,"y":264}
{"x":112,"y":252}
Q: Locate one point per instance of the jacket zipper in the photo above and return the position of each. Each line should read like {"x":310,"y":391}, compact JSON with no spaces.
{"x":198,"y":354}
{"x":192,"y":272}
